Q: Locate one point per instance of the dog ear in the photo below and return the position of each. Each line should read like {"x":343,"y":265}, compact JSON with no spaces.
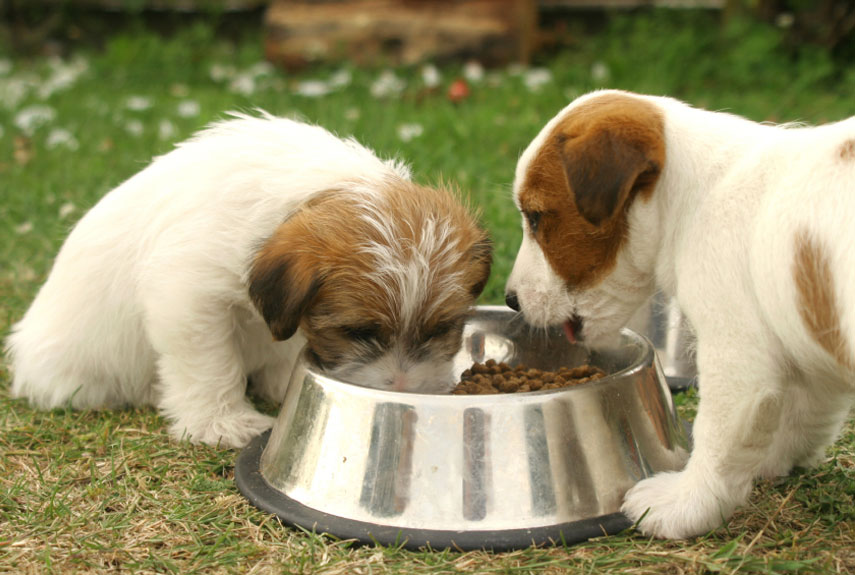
{"x":481,"y":254}
{"x":603,"y":169}
{"x":283,"y":286}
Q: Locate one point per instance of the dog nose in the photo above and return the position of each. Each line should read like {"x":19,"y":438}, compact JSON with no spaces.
{"x":399,"y":382}
{"x":512,"y":301}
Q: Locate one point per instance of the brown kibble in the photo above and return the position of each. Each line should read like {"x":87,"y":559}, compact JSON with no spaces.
{"x":493,"y":377}
{"x":507,"y":386}
{"x":479,"y":368}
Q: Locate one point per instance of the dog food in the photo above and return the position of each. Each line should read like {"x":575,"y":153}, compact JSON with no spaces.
{"x":492,"y":377}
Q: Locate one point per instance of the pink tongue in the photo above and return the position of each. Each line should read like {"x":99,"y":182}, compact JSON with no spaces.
{"x":568,"y":331}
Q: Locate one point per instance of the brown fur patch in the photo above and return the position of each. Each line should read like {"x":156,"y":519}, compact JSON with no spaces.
{"x":847,"y":150}
{"x":320,"y":251}
{"x":817,"y":299}
{"x":601,"y":156}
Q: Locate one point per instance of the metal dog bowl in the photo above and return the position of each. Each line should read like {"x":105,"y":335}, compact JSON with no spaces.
{"x":662,"y":322}
{"x":470,"y":472}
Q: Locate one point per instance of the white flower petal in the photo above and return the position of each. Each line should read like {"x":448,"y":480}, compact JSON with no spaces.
{"x":261,"y":69}
{"x":312,"y":88}
{"x":473,"y":71}
{"x":221,"y":72}
{"x":62,"y":76}
{"x":243,"y":83}
{"x":66,"y":210}
{"x":166,"y":130}
{"x":407,"y":132}
{"x":600,"y":72}
{"x":32,"y":118}
{"x":14,"y":89}
{"x":60,"y":137}
{"x":138,"y":103}
{"x":431,"y":76}
{"x":341,"y":78}
{"x":188,"y":109}
{"x":387,"y":84}
{"x":785,"y":20}
{"x":535,"y":78}
{"x":134,"y":128}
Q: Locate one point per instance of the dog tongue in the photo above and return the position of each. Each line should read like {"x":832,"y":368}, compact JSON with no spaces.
{"x":568,"y":331}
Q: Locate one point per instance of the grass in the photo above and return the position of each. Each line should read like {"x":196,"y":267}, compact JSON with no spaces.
{"x":109,"y":491}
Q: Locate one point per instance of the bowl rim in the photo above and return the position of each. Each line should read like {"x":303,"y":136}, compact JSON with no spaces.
{"x":646,"y":355}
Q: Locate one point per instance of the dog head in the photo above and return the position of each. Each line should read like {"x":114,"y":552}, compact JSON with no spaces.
{"x":583,"y":187}
{"x":379,"y":277}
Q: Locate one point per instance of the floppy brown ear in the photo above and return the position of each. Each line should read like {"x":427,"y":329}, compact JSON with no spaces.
{"x":481,"y":253}
{"x":282,"y":286}
{"x":603,"y":169}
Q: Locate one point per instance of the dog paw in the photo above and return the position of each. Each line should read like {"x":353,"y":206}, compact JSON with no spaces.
{"x":230,"y":430}
{"x":673,"y":505}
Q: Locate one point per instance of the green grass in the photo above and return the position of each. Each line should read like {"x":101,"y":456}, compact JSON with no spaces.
{"x":109,"y":491}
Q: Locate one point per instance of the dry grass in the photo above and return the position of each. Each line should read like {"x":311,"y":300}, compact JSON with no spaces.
{"x":110,"y":492}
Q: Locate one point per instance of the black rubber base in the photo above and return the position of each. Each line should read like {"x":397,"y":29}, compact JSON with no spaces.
{"x":679,"y":384}
{"x":254,"y":487}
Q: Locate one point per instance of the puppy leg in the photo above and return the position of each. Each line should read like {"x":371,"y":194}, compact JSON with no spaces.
{"x":814,"y":417}
{"x":738,"y":414}
{"x":271,"y":381}
{"x":821,"y":431}
{"x":202,"y":380}
{"x":204,"y":400}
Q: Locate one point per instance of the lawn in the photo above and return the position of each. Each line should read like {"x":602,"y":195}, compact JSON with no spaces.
{"x":109,"y":491}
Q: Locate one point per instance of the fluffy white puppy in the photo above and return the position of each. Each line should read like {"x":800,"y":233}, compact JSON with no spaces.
{"x":222,"y":258}
{"x":751,"y":226}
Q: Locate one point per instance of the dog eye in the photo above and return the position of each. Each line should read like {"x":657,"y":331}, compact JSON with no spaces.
{"x":533,"y":219}
{"x":365,"y":333}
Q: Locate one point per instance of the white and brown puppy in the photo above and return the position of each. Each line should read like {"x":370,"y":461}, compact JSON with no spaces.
{"x":751,"y":226}
{"x":220,"y":259}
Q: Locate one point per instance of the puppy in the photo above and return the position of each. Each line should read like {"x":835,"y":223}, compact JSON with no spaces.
{"x":751,"y":227}
{"x":222,"y":258}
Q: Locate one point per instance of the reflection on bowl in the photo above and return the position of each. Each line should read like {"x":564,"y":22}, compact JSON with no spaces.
{"x":483,"y":471}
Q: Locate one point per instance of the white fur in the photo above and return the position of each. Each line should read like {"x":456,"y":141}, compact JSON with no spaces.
{"x":718,"y":233}
{"x":147,"y":301}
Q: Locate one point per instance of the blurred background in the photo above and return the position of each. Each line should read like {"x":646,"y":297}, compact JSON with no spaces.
{"x":90,"y":90}
{"x":370,"y":32}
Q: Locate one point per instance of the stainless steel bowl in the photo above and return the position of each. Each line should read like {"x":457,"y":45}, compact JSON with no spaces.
{"x":662,"y":322}
{"x":494,"y":471}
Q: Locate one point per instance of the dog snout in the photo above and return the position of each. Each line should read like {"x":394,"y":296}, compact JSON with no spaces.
{"x":512,"y":301}
{"x":399,"y":382}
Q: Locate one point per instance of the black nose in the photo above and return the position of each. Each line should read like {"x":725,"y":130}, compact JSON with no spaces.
{"x":512,"y":301}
